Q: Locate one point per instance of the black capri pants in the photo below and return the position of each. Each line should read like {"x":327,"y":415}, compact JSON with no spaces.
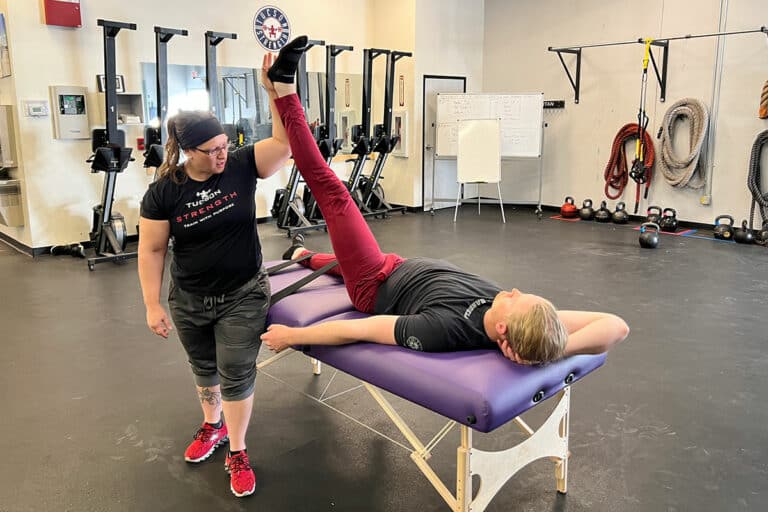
{"x":222,"y":334}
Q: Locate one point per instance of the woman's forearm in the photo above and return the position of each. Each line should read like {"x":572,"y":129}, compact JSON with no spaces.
{"x":151,"y":266}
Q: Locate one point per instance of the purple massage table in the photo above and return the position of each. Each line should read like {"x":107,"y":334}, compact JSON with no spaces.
{"x":478,"y":390}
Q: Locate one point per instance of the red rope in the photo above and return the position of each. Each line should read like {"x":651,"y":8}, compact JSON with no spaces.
{"x":617,"y":171}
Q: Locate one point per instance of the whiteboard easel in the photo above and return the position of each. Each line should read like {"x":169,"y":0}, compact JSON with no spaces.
{"x":478,"y":157}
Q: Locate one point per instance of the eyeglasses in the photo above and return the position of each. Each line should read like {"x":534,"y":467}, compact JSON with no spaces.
{"x":213,"y":152}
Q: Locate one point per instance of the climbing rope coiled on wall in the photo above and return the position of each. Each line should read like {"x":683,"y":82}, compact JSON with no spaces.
{"x":616,"y":172}
{"x":683,"y":172}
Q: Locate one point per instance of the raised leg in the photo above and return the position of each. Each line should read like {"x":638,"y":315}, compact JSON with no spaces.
{"x":360,"y":258}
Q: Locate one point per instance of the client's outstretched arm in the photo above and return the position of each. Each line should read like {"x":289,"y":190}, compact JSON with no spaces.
{"x":591,"y":332}
{"x":376,"y":329}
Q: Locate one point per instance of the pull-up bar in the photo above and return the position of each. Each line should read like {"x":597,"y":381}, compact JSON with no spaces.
{"x":661,"y":42}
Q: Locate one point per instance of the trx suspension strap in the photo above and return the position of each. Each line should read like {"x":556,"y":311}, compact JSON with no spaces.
{"x":640,"y":173}
{"x":294,"y":287}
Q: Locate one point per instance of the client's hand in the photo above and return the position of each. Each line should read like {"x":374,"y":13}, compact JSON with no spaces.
{"x":511,"y":354}
{"x":279,"y":337}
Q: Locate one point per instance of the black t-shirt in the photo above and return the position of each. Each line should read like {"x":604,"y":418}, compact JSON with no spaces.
{"x":441,"y":307}
{"x":216,"y":246}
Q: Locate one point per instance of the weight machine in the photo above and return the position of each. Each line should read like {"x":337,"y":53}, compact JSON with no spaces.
{"x":156,"y":136}
{"x":212,"y":40}
{"x":110,"y":156}
{"x":361,"y":133}
{"x":368,"y":192}
{"x":384,"y":143}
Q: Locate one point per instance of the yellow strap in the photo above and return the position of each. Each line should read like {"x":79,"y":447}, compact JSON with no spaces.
{"x":647,"y":55}
{"x":638,"y":150}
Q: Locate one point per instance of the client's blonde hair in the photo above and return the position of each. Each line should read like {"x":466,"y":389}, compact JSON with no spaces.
{"x":537,"y":335}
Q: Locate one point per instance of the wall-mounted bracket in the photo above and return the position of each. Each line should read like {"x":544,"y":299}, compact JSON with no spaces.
{"x":577,"y":82}
{"x":664,"y":45}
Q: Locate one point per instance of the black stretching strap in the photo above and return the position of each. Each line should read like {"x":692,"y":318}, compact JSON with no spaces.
{"x":293,"y":287}
{"x":280,"y":266}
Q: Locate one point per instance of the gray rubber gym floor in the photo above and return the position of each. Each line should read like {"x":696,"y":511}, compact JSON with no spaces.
{"x":97,"y":410}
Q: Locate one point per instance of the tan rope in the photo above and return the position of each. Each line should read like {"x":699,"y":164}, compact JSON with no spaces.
{"x":683,"y":172}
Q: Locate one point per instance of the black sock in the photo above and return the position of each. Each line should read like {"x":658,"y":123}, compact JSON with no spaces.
{"x":298,"y":241}
{"x":287,"y":62}
{"x":218,"y":424}
{"x":237,"y":452}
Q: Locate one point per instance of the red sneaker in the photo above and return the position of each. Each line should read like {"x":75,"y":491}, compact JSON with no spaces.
{"x":242,"y":481}
{"x":206,"y":440}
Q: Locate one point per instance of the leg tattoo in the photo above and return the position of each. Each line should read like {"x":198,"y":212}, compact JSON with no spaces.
{"x":209,"y":397}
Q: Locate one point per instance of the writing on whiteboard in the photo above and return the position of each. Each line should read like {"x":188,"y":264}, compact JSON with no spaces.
{"x":520,"y":115}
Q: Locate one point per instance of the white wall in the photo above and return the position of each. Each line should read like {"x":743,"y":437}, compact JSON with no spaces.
{"x":578,"y":139}
{"x":446,"y":38}
{"x":394,"y":28}
{"x":449,"y":41}
{"x":59,"y":190}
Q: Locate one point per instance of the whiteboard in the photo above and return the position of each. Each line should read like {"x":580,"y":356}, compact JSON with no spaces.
{"x":521,"y":117}
{"x":478,"y":159}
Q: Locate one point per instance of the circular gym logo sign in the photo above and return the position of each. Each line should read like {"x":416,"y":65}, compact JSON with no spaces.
{"x":271,"y":28}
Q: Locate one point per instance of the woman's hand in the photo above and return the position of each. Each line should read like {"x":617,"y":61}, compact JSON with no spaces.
{"x":279,"y":337}
{"x":266,"y":63}
{"x":158,"y":322}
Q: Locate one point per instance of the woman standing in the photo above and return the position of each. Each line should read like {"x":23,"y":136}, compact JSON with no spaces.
{"x":219,"y":291}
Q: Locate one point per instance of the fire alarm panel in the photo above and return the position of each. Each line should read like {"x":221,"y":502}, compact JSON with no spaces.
{"x":62,"y":13}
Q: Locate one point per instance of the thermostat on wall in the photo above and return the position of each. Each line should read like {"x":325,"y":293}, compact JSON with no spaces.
{"x":36,"y":108}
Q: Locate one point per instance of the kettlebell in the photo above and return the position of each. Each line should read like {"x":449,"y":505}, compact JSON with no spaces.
{"x":649,"y":239}
{"x":668,"y":221}
{"x":743,"y":235}
{"x":653,"y":214}
{"x":603,"y":214}
{"x":762,"y":237}
{"x":620,"y":216}
{"x":569,"y":210}
{"x":587,"y":212}
{"x":724,"y":231}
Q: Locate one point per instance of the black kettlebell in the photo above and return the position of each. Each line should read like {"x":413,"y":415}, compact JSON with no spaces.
{"x":653,"y":214}
{"x":724,"y":231}
{"x":649,"y":239}
{"x":620,"y":216}
{"x":586,"y":212}
{"x":762,"y":237}
{"x":603,"y":214}
{"x":743,"y":235}
{"x":668,"y":221}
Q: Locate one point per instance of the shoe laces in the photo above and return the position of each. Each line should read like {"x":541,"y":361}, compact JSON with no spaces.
{"x":238,"y":463}
{"x":204,"y":433}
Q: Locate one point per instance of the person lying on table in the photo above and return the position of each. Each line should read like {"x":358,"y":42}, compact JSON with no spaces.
{"x":422,"y":304}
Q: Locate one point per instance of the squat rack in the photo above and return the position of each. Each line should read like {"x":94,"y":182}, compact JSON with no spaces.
{"x":662,"y":42}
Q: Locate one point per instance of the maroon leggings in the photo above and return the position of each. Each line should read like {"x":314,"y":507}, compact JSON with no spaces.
{"x":361,"y":263}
